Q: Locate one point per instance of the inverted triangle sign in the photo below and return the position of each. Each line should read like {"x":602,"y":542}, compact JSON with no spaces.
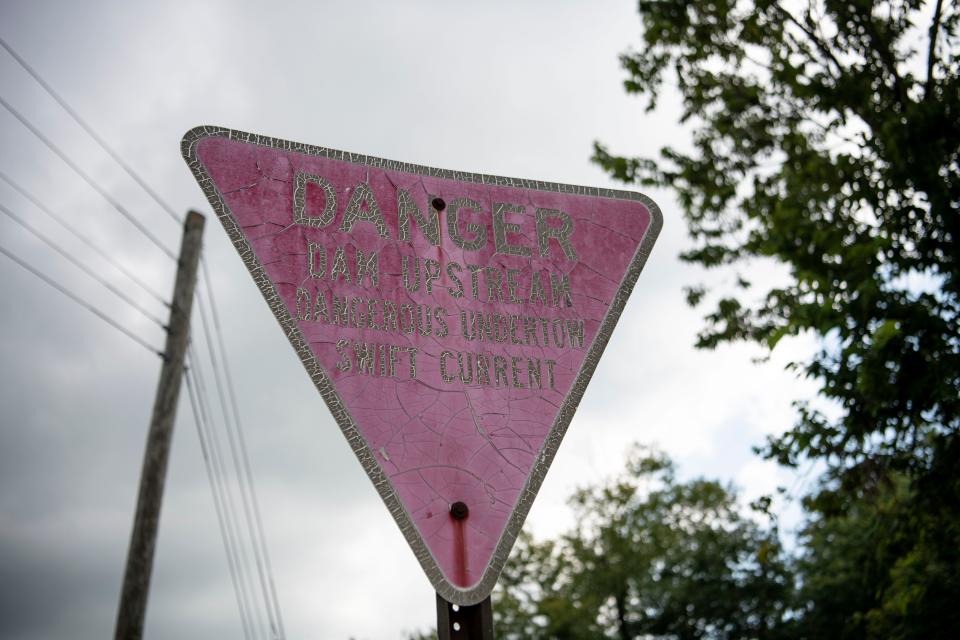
{"x":450,"y":320}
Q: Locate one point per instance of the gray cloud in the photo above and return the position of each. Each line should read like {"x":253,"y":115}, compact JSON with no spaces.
{"x":511,"y":88}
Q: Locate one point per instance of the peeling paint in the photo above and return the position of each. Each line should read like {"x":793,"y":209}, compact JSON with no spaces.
{"x":377,"y":321}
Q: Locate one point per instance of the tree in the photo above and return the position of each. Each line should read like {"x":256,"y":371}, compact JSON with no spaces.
{"x":826,"y":138}
{"x":881,"y":566}
{"x":649,"y":557}
{"x":825,"y":141}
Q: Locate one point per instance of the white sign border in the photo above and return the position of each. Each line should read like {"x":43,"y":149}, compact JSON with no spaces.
{"x":341,"y":414}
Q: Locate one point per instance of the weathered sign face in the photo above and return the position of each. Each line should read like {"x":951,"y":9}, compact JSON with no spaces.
{"x":450,"y":320}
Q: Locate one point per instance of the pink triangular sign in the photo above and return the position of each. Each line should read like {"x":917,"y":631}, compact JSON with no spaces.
{"x":450,"y":320}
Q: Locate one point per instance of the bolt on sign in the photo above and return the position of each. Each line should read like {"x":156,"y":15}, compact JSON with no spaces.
{"x":450,"y":320}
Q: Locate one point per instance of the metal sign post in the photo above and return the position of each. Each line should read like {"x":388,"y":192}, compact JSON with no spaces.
{"x":471,"y":622}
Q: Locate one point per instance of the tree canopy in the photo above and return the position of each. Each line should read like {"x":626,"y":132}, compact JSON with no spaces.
{"x":825,"y":137}
{"x":650,"y":556}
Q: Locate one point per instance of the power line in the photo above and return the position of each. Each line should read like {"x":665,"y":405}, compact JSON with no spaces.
{"x":242,"y":479}
{"x":83,"y":238}
{"x":221,"y":493}
{"x":244,"y":471}
{"x":220,"y":469}
{"x":279,"y":630}
{"x":202,"y":433}
{"x":93,"y":134}
{"x":83,"y":303}
{"x":86,"y":178}
{"x":77,"y":263}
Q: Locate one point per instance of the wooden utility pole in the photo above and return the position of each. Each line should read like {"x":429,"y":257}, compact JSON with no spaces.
{"x":136,"y":578}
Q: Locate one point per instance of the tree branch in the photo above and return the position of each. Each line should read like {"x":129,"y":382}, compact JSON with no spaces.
{"x":889,"y":60}
{"x":817,"y":42}
{"x":931,"y":51}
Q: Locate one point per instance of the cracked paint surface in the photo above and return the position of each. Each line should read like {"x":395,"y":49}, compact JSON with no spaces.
{"x":428,"y":426}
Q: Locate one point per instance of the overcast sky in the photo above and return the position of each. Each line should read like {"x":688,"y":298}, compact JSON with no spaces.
{"x":507,"y":87}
